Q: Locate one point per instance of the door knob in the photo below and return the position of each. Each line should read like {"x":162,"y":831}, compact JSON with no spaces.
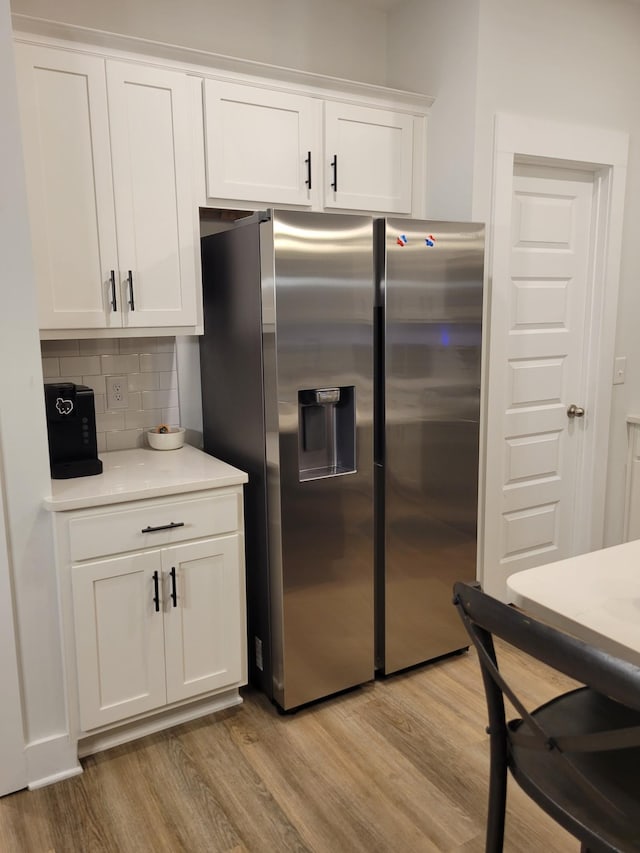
{"x":575,"y":411}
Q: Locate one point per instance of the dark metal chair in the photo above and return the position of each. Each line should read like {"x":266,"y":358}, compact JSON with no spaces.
{"x":577,"y":756}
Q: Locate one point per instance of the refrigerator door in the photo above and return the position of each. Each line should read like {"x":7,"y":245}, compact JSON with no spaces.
{"x":318,"y":294}
{"x":430,"y":289}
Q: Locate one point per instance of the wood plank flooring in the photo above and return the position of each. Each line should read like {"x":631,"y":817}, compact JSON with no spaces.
{"x":398,"y":765}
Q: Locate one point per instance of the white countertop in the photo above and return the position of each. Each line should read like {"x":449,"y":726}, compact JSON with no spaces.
{"x":594,"y":596}
{"x":143,"y":473}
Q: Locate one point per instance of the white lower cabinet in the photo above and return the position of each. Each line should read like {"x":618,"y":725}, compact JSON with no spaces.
{"x":156,"y":628}
{"x":157,"y":623}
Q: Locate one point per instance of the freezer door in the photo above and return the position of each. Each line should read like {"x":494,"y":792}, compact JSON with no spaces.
{"x":431,"y":291}
{"x":318,"y":290}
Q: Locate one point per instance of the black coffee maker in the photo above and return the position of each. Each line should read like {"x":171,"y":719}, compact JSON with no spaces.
{"x":71,"y":424}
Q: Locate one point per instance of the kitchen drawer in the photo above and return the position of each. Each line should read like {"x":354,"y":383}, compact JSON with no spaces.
{"x":115,"y":531}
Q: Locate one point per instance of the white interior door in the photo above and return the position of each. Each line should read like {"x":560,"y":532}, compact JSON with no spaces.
{"x":537,"y":372}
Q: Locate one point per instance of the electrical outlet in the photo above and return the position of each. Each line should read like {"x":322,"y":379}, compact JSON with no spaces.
{"x":117,"y":392}
{"x":619,"y":370}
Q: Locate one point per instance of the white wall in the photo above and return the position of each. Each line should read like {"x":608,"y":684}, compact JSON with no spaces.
{"x":23,"y":435}
{"x":432,"y":48}
{"x":341,"y":39}
{"x":572,"y":60}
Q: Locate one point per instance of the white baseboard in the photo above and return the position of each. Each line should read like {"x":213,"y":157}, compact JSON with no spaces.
{"x":51,"y":759}
{"x":164,"y":720}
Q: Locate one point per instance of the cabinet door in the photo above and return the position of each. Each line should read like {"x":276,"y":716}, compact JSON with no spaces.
{"x":65,"y":130}
{"x":260,"y":145}
{"x":155,"y":212}
{"x":368,"y":159}
{"x":119,"y":638}
{"x":205,"y":627}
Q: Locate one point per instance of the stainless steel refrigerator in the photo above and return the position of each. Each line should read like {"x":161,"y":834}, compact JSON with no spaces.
{"x":350,"y":564}
{"x":287,"y":388}
{"x":428,"y":360}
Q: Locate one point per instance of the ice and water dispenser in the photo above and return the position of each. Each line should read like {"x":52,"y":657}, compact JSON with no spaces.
{"x":326,"y":432}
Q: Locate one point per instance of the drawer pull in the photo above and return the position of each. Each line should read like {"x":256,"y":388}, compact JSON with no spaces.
{"x":174,"y":593}
{"x":169,"y":526}
{"x":156,"y":590}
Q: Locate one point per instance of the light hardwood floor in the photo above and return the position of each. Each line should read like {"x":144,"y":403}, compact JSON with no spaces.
{"x":396,"y":766}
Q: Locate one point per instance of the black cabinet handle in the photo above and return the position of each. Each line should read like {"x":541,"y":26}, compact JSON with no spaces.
{"x":174,"y":593}
{"x":114,"y":303}
{"x":308,"y":163}
{"x":156,"y":591}
{"x":334,"y":166}
{"x":169,"y":526}
{"x":132,"y":304}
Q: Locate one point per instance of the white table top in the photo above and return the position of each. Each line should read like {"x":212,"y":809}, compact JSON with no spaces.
{"x":594,"y":596}
{"x":143,"y":473}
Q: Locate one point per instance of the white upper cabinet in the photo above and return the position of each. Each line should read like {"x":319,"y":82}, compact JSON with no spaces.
{"x":261,"y":145}
{"x":368,"y":158}
{"x":107,"y":151}
{"x":265,"y":146}
{"x":65,"y":130}
{"x":151,"y":148}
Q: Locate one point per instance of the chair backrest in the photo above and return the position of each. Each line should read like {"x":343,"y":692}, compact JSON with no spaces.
{"x":484,"y":616}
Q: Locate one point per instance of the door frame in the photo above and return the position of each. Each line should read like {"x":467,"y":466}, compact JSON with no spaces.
{"x":13,"y":766}
{"x":523,"y":139}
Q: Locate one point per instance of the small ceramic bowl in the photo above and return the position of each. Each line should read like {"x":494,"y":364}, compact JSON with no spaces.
{"x":171,"y":440}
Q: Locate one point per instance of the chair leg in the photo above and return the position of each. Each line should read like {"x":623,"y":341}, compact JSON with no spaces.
{"x":497,"y":796}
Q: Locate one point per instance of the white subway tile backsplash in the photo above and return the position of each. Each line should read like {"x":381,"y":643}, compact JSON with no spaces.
{"x":144,"y":381}
{"x":112,"y":364}
{"x":171,"y":417}
{"x":134,"y":420}
{"x":165,"y":345}
{"x":150,"y":367}
{"x":83,"y":364}
{"x":50,"y":367}
{"x":76,"y":379}
{"x":59,"y":348}
{"x":96,"y":382}
{"x":169,"y":380}
{"x":101,"y":346}
{"x":138,"y":345}
{"x":160,"y":362}
{"x":125,"y":439}
{"x":152,"y":418}
{"x":108,"y":421}
{"x":135,"y":400}
{"x":159,"y":399}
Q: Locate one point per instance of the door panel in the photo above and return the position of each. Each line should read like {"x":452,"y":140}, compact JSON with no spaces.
{"x":65,"y":132}
{"x":542,"y":372}
{"x":258,"y":143}
{"x":151,"y":151}
{"x":321,"y":529}
{"x":374,"y":150}
{"x":204,"y":633}
{"x":120,"y":659}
